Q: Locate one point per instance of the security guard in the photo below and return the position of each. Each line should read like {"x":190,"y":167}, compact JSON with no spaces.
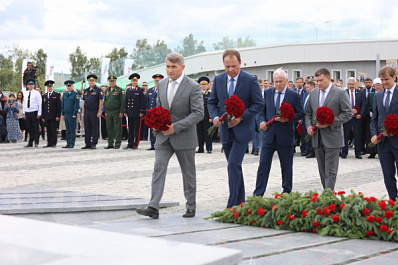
{"x":134,"y":109}
{"x":114,"y":109}
{"x":151,"y":103}
{"x":51,"y":111}
{"x":91,"y":111}
{"x":203,"y":125}
{"x":69,"y":109}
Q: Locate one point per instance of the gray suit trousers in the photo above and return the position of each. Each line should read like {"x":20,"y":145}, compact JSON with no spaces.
{"x":328,"y":163}
{"x":186,"y":159}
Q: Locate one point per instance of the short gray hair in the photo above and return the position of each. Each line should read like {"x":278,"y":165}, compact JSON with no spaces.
{"x":175,"y":58}
{"x":351,"y":79}
{"x":280,"y":72}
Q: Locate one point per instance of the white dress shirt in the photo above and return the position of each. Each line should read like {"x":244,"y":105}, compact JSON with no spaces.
{"x":178,"y":82}
{"x":282,"y":96}
{"x":35,"y":102}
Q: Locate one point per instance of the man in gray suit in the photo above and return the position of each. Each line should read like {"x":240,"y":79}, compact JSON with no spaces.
{"x":327,"y":139}
{"x":183,"y":97}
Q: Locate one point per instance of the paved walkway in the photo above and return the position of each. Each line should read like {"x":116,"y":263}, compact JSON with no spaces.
{"x":128,"y":173}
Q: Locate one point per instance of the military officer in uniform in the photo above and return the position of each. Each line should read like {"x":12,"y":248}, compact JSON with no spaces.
{"x":204,"y":124}
{"x":134,"y":109}
{"x":69,"y":109}
{"x":91,"y":111}
{"x":151,"y":103}
{"x":51,"y":111}
{"x":114,"y":109}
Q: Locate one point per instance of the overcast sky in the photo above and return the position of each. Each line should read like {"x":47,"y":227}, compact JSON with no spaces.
{"x":58,"y":27}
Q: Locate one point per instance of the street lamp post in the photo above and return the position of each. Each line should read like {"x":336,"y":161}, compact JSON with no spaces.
{"x":316,"y":27}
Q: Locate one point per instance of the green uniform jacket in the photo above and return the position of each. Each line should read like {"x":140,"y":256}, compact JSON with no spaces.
{"x":114,"y":99}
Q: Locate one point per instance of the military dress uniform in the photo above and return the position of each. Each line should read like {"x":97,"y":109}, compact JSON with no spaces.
{"x":113,"y":106}
{"x":134,"y":105}
{"x":51,"y":110}
{"x":204,"y":124}
{"x":151,"y":103}
{"x":92,"y":98}
{"x":69,"y":109}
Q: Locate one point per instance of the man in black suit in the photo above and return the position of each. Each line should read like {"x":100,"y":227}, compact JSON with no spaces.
{"x":204,"y":124}
{"x":358,"y":105}
{"x":367,"y":116}
{"x":51,"y":112}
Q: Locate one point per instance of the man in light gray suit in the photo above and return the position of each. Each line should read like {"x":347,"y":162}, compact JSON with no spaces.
{"x":183,"y":97}
{"x":327,"y":139}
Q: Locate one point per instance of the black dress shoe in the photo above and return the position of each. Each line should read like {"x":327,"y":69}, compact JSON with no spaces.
{"x":149,"y":149}
{"x":310,"y":155}
{"x":86,"y":147}
{"x":343,"y":156}
{"x":255,"y":153}
{"x":372,"y":156}
{"x":108,"y":147}
{"x":29,"y":145}
{"x":93,"y":147}
{"x":189,"y":213}
{"x":47,"y":146}
{"x":134,"y":147}
{"x":199,"y":151}
{"x":149,"y":211}
{"x":117,"y":147}
{"x":66,"y":146}
{"x":209,"y":151}
{"x":359,"y":157}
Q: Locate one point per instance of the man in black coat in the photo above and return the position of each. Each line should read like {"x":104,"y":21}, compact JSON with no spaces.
{"x":51,"y":112}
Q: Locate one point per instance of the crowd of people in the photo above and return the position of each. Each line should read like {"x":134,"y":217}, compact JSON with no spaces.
{"x":195,"y":106}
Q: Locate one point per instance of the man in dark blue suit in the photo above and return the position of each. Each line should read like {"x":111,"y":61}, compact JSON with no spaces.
{"x":280,"y":136}
{"x":366,"y":135}
{"x":236,"y":134}
{"x":306,"y":147}
{"x":386,"y":102}
{"x":358,"y":105}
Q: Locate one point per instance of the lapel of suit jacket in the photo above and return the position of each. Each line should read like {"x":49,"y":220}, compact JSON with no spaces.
{"x":180,"y":89}
{"x":393,"y":101}
{"x":272,"y":101}
{"x":162,"y":94}
{"x":329,"y":96}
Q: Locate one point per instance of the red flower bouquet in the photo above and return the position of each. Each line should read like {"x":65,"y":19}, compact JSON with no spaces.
{"x":286,"y":111}
{"x":234,"y":106}
{"x":158,"y":118}
{"x":390,"y":126}
{"x":324,"y":115}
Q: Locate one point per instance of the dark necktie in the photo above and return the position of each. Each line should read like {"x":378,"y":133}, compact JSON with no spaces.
{"x":352,"y":99}
{"x":231,"y":87}
{"x":29,"y":100}
{"x":278,"y":102}
{"x":387,"y":103}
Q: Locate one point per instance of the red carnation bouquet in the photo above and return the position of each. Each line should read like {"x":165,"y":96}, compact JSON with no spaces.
{"x":158,"y":118}
{"x":324,"y":115}
{"x":286,"y":111}
{"x":234,"y":106}
{"x":390,"y":126}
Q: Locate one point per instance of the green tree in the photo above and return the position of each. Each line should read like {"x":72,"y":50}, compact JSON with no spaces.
{"x":18,"y":54}
{"x":247,"y":42}
{"x":93,"y":66}
{"x":6,"y":72}
{"x":145,"y":55}
{"x":79,"y":63}
{"x":116,"y":67}
{"x":190,"y":46}
{"x":226,"y":43}
{"x":40,"y":59}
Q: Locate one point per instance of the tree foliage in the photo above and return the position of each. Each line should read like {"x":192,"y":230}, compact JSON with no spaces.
{"x":229,"y":43}
{"x":190,"y":46}
{"x":145,"y":55}
{"x":117,"y":56}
